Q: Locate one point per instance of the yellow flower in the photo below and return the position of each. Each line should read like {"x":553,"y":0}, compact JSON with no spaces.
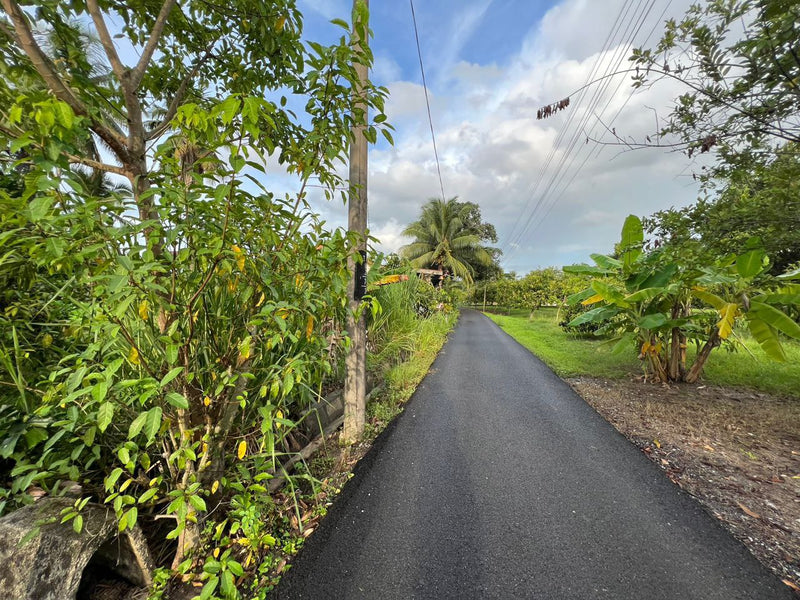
{"x":207,"y":401}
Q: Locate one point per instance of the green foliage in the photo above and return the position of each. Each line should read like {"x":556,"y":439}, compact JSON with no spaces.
{"x":760,"y":201}
{"x":449,"y":236}
{"x":157,"y":347}
{"x":542,"y":287}
{"x":739,"y":61}
{"x":646,"y":299}
{"x":572,"y":356}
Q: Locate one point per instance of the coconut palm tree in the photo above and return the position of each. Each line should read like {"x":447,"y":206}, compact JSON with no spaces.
{"x":442,"y":240}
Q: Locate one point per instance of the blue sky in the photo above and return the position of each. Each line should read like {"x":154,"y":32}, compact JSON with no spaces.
{"x":490,"y":64}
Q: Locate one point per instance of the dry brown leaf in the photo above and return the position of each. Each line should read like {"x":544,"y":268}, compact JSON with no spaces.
{"x":709,"y":448}
{"x":791,"y":585}
{"x":748,"y":511}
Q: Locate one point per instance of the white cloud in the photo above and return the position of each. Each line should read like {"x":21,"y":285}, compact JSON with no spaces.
{"x":493,"y":149}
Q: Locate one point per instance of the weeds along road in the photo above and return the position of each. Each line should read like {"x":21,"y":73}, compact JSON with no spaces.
{"x":498,"y":481}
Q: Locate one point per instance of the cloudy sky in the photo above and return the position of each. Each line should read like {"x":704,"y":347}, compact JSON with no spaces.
{"x":490,"y":64}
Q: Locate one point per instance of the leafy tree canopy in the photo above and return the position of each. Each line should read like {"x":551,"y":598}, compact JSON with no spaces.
{"x":450,"y":235}
{"x":762,"y":202}
{"x":740,"y":61}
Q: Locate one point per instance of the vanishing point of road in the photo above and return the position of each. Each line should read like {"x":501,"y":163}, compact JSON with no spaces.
{"x":498,"y":481}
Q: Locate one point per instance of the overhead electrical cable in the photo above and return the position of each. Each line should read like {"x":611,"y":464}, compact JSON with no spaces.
{"x":532,"y":189}
{"x":562,"y":173}
{"x":427,"y":100}
{"x":598,"y":117}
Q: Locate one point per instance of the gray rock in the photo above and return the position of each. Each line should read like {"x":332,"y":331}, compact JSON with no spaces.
{"x":50,"y":565}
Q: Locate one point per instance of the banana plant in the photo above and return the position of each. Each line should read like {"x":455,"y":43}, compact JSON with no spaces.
{"x":641,"y":299}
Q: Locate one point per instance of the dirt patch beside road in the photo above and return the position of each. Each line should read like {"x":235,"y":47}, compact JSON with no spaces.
{"x":737,"y":451}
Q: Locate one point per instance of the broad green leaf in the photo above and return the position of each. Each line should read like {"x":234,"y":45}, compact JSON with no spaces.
{"x":609,"y":294}
{"x":653,"y":321}
{"x":631,"y":241}
{"x":624,"y":343}
{"x":152,"y":423}
{"x":585,"y":270}
{"x":660,"y":278}
{"x":767,"y":338}
{"x":177,"y":400}
{"x":644,"y":295}
{"x":709,"y":298}
{"x":580,"y":296}
{"x":779,"y":298}
{"x":606,"y":262}
{"x":105,"y":414}
{"x":39,"y":207}
{"x":750,"y":264}
{"x":170,"y":376}
{"x":775,"y":318}
{"x":596,"y":315}
{"x":136,"y":426}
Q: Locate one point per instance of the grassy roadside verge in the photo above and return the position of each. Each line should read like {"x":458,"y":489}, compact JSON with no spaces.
{"x":571,"y":356}
{"x":325,"y":473}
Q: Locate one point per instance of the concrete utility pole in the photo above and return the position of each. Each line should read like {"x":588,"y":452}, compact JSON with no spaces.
{"x":355,"y":382}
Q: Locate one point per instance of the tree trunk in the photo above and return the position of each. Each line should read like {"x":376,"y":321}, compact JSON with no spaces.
{"x":697,"y":368}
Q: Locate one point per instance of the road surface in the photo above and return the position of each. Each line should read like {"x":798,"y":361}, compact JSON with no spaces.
{"x":498,"y":481}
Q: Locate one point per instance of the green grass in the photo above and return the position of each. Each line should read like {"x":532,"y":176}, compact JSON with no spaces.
{"x":401,"y":379}
{"x":570,"y":355}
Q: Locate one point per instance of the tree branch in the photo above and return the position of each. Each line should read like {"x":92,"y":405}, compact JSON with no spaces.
{"x":41,"y":62}
{"x":48,"y":72}
{"x":100,"y":166}
{"x":155,"y":35}
{"x":106,"y":41}
{"x":178,"y":97}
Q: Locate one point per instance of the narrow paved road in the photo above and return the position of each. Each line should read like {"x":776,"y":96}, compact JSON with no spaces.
{"x":498,"y":481}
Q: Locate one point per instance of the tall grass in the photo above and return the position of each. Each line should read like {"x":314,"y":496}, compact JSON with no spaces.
{"x":393,"y":332}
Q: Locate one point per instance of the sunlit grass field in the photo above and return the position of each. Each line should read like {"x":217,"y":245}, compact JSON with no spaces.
{"x":570,"y":355}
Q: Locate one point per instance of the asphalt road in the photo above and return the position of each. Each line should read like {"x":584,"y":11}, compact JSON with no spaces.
{"x":498,"y":481}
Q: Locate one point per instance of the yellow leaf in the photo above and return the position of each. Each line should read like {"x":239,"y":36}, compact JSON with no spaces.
{"x":645,"y":347}
{"x":216,"y":550}
{"x":242,"y":450}
{"x":205,"y":448}
{"x":133,"y":356}
{"x":144,"y":310}
{"x":280,"y":23}
{"x":309,"y":326}
{"x":593,"y":300}
{"x":207,"y":401}
{"x":260,"y":300}
{"x":232,"y":284}
{"x":657,"y":443}
{"x":725,"y":324}
{"x":299,"y":280}
{"x":239,"y":256}
{"x":283,"y":313}
{"x":214,"y":487}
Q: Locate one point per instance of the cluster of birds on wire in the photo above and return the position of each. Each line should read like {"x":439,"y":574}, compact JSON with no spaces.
{"x":551,"y":109}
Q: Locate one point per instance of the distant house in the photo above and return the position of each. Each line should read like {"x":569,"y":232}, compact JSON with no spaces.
{"x":432,"y":276}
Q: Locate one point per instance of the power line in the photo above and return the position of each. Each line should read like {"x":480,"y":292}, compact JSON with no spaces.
{"x":427,"y":101}
{"x":560,"y":175}
{"x":516,"y":234}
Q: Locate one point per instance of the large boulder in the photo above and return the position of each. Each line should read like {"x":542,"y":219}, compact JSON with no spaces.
{"x":51,"y":565}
